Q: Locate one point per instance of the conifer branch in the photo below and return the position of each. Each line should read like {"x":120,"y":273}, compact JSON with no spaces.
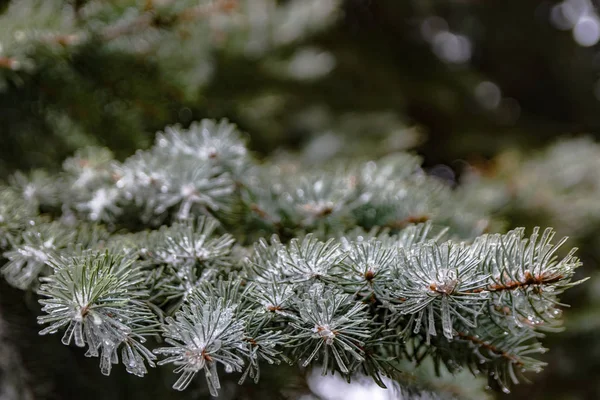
{"x":147,"y":19}
{"x":529,"y":281}
{"x":488,"y":346}
{"x":330,"y":290}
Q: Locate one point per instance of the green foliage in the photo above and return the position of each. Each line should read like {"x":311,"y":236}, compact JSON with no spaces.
{"x":106,"y":54}
{"x":558,"y":184}
{"x":92,"y":72}
{"x":201,"y":336}
{"x":100,"y":298}
{"x":183,"y":256}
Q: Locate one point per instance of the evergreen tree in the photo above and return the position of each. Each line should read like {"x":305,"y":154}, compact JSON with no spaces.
{"x":349,"y":257}
{"x":171,"y":245}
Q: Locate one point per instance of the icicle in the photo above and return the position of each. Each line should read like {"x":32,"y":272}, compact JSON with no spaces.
{"x":68,"y":335}
{"x":105,"y":364}
{"x":78,"y":334}
{"x":431,"y":325}
{"x":446,"y":318}
{"x":184,"y":380}
{"x":212,"y":378}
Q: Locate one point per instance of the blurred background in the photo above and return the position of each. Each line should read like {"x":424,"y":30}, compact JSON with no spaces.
{"x":501,"y":99}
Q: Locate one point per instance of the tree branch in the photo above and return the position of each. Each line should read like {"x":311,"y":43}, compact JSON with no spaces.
{"x":530,"y":280}
{"x":144,"y":21}
{"x":488,"y":346}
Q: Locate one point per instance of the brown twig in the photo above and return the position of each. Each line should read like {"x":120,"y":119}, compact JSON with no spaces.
{"x":8,"y":63}
{"x":261,"y":213}
{"x":251,"y":341}
{"x":403,"y":223}
{"x":193,"y":13}
{"x":530,"y":280}
{"x":488,"y":346}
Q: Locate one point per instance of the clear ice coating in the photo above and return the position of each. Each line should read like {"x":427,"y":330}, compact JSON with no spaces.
{"x":325,"y":332}
{"x":106,"y":318}
{"x":325,"y":290}
{"x":201,"y":336}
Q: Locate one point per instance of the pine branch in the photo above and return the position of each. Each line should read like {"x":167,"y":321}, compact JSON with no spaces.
{"x":491,"y":348}
{"x":530,"y":280}
{"x":202,"y":336}
{"x":150,"y":18}
{"x":147,"y":19}
{"x":99,"y":297}
{"x":333,"y":291}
